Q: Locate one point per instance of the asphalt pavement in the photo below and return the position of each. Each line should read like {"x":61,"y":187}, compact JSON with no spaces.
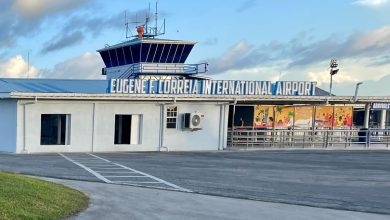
{"x":111,"y":201}
{"x":341,"y":180}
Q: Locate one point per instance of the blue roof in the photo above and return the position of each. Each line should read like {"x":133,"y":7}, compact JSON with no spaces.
{"x":8,"y":85}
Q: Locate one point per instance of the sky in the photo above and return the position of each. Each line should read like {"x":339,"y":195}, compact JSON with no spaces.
{"x":241,"y":40}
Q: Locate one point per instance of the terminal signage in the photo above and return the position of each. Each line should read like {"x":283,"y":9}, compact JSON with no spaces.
{"x":212,"y":87}
{"x":380,"y":106}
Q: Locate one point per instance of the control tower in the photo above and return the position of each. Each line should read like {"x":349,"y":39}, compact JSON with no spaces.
{"x":145,"y":56}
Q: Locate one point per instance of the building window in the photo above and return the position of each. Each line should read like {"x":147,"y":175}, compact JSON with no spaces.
{"x":171,"y":116}
{"x":122,"y":129}
{"x":128,"y":129}
{"x":55,"y":129}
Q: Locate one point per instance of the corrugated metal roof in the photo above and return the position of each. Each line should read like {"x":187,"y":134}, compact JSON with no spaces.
{"x":8,"y":85}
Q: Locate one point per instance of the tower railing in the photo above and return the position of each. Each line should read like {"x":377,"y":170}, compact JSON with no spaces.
{"x":164,"y":69}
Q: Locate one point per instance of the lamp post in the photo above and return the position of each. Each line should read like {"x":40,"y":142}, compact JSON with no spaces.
{"x":333,"y":71}
{"x":356,"y":91}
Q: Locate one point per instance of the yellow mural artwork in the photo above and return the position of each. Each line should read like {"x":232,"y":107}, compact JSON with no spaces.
{"x":324,"y":116}
{"x":337,"y":117}
{"x":303,"y":117}
{"x":284,"y":116}
{"x":264,"y":116}
{"x":343,"y":116}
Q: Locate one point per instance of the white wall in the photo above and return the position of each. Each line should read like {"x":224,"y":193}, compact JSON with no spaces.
{"x":208,"y":138}
{"x":93,"y":126}
{"x":80,"y":128}
{"x":105,"y":126}
{"x":8,"y":125}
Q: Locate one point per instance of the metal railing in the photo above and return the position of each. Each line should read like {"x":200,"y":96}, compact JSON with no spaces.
{"x":310,"y":138}
{"x":164,"y":68}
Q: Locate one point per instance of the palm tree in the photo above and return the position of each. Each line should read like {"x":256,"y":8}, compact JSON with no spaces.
{"x":278,"y":109}
{"x":291,"y":114}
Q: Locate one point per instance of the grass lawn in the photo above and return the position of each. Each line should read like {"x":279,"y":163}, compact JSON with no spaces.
{"x":27,"y":198}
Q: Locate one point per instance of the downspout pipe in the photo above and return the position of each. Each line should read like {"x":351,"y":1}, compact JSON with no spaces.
{"x":24,"y":122}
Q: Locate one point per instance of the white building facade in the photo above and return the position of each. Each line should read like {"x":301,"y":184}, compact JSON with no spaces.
{"x":39,"y":125}
{"x":151,"y":101}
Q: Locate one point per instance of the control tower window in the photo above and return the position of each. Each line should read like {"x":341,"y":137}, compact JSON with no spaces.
{"x":171,"y":54}
{"x":121,"y":56}
{"x":114,"y":58}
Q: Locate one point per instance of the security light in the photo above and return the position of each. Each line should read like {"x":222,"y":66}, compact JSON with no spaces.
{"x":333,"y":71}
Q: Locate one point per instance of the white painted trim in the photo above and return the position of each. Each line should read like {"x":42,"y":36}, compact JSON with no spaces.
{"x":145,"y":174}
{"x":87,"y":169}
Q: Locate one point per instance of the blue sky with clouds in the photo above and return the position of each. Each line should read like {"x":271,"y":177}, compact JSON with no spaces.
{"x":248,"y":39}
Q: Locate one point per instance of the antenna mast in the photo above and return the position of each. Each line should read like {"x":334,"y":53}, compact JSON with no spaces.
{"x":28,"y":63}
{"x":156,"y":18}
{"x":147,"y":20}
{"x":144,"y":30}
{"x":126,"y":24}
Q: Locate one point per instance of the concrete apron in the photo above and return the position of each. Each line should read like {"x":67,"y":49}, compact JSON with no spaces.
{"x":109,"y":201}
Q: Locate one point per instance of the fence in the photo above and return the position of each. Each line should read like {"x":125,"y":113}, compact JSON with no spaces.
{"x":317,"y":138}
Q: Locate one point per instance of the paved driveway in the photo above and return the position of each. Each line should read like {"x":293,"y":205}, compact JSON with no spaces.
{"x":349,"y":180}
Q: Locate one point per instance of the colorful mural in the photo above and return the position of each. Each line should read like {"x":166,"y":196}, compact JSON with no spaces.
{"x":338,"y":117}
{"x":303,"y":117}
{"x":324,"y":116}
{"x":284,"y":117}
{"x":264,"y":116}
{"x":343,"y":116}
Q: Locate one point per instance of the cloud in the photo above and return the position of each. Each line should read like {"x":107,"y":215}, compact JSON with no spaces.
{"x":86,"y":66}
{"x":363,"y":44}
{"x":363,"y":56}
{"x":373,"y":87}
{"x":93,"y":24}
{"x":63,"y":42}
{"x":302,"y":51}
{"x":323,"y":77}
{"x":210,"y":42}
{"x":23,"y":18}
{"x":246,"y":5}
{"x":79,"y":26}
{"x":40,"y":8}
{"x":376,"y":87}
{"x":239,"y":56}
{"x":371,"y":3}
{"x":90,"y":23}
{"x":17,"y":67}
{"x":381,"y":60}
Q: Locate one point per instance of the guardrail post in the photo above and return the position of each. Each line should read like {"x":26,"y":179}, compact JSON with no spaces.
{"x":247,"y":139}
{"x":312,"y":138}
{"x":326,"y":139}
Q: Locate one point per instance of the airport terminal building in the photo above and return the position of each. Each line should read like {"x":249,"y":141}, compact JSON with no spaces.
{"x":152,"y":100}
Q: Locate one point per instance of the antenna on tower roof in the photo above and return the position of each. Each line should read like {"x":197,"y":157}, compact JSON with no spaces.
{"x":144,"y":30}
{"x":156,"y":15}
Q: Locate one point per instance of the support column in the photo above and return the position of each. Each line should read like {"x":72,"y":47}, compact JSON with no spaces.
{"x":382,"y":120}
{"x":366,"y":115}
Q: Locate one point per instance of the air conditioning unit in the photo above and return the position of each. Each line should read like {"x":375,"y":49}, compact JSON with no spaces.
{"x":193,"y":120}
